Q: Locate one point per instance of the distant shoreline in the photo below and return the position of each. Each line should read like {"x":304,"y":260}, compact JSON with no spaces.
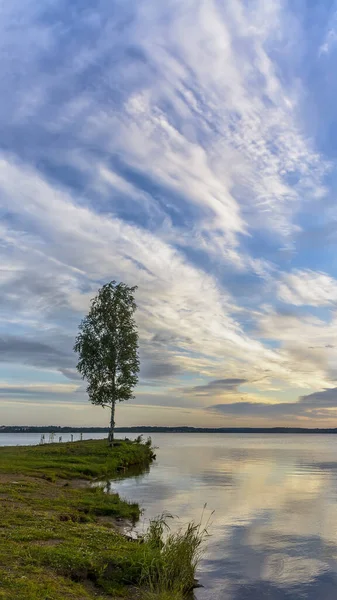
{"x":150,"y":430}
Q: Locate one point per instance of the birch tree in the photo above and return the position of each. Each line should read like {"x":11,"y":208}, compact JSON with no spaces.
{"x":107,"y":347}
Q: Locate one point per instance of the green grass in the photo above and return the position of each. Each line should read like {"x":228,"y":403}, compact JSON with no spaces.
{"x":83,"y":460}
{"x":58,"y":539}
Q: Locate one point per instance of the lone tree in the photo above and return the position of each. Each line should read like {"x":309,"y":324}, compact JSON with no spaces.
{"x":107,"y":345}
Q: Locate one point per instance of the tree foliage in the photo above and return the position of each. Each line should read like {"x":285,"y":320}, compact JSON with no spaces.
{"x":107,"y":345}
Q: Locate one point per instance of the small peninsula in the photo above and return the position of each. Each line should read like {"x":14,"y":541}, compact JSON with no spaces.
{"x":59,"y":535}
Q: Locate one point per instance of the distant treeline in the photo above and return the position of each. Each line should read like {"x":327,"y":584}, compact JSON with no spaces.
{"x":145,"y":429}
{"x":50,"y":429}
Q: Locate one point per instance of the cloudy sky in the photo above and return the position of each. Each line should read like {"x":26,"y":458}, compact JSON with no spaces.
{"x":187,"y":148}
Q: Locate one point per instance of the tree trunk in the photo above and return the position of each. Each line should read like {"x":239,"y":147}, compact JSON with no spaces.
{"x":112,"y":424}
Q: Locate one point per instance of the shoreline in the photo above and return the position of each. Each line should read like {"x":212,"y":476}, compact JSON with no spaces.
{"x":149,"y":430}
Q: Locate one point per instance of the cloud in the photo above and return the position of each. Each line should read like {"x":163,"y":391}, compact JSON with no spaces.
{"x":330,"y":37}
{"x":168,"y":147}
{"x":329,"y":43}
{"x":36,"y":353}
{"x":324,"y":398}
{"x":306,"y":344}
{"x":71,"y":374}
{"x":306,"y":287}
{"x":174,"y":296}
{"x":218,"y":386}
{"x":175,"y":119}
{"x":157,"y":369}
{"x":35,"y":394}
{"x":315,"y":406}
{"x":249,"y":409}
{"x":37,"y":389}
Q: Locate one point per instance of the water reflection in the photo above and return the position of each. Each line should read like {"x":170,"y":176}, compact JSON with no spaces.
{"x":274,"y":530}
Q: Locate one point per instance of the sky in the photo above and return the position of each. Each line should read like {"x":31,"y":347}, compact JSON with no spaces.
{"x":188,"y":148}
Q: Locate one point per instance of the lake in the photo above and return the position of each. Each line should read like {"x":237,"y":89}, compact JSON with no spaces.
{"x":31,"y":439}
{"x":274,"y":529}
{"x":273,"y":534}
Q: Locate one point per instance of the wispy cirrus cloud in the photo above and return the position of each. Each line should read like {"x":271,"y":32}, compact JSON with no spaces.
{"x":175,"y":297}
{"x":166,"y":146}
{"x":306,"y":287}
{"x":330,"y":34}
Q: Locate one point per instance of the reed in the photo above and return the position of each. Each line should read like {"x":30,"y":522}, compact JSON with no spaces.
{"x":171,"y":572}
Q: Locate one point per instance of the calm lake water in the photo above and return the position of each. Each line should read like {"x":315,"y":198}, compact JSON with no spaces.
{"x":31,"y":439}
{"x":274,"y":529}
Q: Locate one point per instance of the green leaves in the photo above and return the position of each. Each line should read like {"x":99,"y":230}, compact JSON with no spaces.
{"x":107,"y":345}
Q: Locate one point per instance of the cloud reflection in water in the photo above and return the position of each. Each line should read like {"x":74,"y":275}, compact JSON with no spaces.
{"x":273,"y":533}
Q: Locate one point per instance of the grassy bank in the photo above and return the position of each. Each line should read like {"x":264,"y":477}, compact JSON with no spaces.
{"x":58,"y":539}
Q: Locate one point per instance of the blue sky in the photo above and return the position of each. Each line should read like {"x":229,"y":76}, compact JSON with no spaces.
{"x":188,"y":148}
